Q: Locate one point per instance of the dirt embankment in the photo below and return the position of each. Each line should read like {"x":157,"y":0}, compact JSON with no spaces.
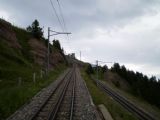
{"x":7,"y":33}
{"x":38,"y":48}
{"x":39,"y":51}
{"x":116,"y":80}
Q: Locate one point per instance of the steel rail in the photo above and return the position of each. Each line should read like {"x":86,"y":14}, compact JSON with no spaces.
{"x":43,"y":105}
{"x":73,"y":97}
{"x":125,"y":103}
{"x":54,"y":111}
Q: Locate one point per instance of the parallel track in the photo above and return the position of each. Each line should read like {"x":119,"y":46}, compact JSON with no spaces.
{"x":50,"y":108}
{"x":125,"y":103}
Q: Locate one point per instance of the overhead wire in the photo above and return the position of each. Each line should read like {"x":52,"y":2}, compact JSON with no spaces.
{"x":63,"y":26}
{"x":61,"y":13}
{"x":54,"y":9}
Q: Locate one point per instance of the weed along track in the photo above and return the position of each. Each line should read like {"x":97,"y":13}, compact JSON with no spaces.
{"x":69,"y":100}
{"x":141,"y":115}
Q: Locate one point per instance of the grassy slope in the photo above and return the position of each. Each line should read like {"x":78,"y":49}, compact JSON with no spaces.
{"x":99,"y":97}
{"x":12,"y":95}
{"x":136,"y":100}
{"x":16,"y":63}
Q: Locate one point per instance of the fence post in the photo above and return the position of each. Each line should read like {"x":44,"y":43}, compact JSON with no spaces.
{"x":34,"y":77}
{"x":19,"y":81}
{"x":41,"y":73}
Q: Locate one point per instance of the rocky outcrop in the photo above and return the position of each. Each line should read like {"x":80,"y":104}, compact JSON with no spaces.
{"x":7,"y":33}
{"x":56,"y":58}
{"x":37,"y":48}
{"x":39,"y":52}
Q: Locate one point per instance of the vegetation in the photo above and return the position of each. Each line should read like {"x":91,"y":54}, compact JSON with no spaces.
{"x":104,"y":69}
{"x":123,"y":88}
{"x":89,"y":69}
{"x":17,"y":67}
{"x":56,"y":47}
{"x":14,"y":93}
{"x":141,"y":103}
{"x":23,"y":37}
{"x":141,"y":85}
{"x":99,"y":97}
{"x":35,"y":30}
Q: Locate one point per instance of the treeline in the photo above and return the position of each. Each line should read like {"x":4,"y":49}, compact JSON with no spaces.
{"x":142,"y":86}
{"x":91,"y":70}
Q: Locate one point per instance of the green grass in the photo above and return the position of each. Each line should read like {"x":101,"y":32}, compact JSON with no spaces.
{"x":136,"y":100}
{"x":13,"y":95}
{"x":99,"y":97}
{"x":23,"y":37}
{"x":18,"y":63}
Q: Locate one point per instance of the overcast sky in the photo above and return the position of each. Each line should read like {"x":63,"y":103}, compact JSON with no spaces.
{"x":124,"y":31}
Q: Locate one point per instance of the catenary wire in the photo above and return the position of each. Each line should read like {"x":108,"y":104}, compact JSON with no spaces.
{"x":57,"y":15}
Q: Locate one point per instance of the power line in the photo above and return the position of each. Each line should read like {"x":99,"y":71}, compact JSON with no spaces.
{"x":61,"y":21}
{"x":56,"y":15}
{"x":61,"y":13}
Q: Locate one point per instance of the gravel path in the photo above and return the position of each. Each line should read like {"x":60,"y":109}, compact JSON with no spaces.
{"x":84,"y":107}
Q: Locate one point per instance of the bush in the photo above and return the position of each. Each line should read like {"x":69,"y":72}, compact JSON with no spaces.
{"x":89,"y":69}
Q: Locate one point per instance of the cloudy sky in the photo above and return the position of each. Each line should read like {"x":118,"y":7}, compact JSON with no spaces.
{"x":124,"y":31}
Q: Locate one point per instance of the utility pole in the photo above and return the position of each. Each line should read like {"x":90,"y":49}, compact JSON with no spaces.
{"x":97,"y":68}
{"x":80,"y":55}
{"x":48,"y":51}
{"x":97,"y":65}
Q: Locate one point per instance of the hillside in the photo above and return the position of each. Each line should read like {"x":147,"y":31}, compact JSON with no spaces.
{"x":23,"y":58}
{"x":141,"y":86}
{"x":122,"y":87}
{"x":115,"y":79}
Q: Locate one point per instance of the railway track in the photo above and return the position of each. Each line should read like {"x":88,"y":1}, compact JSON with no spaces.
{"x":141,"y":115}
{"x":60,"y":104}
{"x":67,"y":98}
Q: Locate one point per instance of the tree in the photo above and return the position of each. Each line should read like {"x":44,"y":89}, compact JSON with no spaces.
{"x":123,"y":71}
{"x":141,"y":85}
{"x":104,"y":69}
{"x":89,"y":69}
{"x":57,"y":45}
{"x":35,"y":30}
{"x":116,"y":67}
{"x":29,"y":29}
{"x":57,"y":48}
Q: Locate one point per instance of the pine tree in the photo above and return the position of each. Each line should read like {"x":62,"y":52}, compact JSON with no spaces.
{"x":35,"y":30}
{"x":89,"y":69}
{"x":104,"y":69}
{"x":56,"y":45}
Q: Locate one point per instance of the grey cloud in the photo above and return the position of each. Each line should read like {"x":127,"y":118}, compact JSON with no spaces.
{"x":80,"y":12}
{"x":84,"y":17}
